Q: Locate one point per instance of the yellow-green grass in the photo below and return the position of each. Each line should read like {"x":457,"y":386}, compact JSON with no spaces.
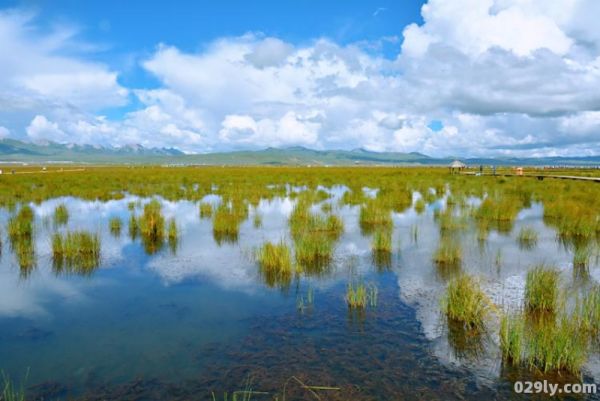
{"x":226,"y":223}
{"x":448,"y":253}
{"x":360,"y":295}
{"x":257,"y":220}
{"x":374,"y":214}
{"x":20,"y":234}
{"x":206,"y":210}
{"x":134,"y":227}
{"x":172,"y":234}
{"x":61,"y":215}
{"x":115,"y":224}
{"x":581,"y":257}
{"x":275,"y":263}
{"x":512,"y":338}
{"x":152,"y":226}
{"x":79,"y":251}
{"x":588,"y":312}
{"x":420,"y":206}
{"x":542,"y":289}
{"x":527,"y":237}
{"x":465,"y":302}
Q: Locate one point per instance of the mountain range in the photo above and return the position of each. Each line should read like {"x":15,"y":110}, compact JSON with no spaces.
{"x":12,"y":150}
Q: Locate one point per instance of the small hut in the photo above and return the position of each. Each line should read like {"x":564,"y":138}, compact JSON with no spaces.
{"x":457,"y":166}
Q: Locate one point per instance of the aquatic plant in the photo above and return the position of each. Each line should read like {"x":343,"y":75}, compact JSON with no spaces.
{"x":134,"y":227}
{"x":512,"y":338}
{"x":172,"y":234}
{"x":20,"y":235}
{"x":114,"y":225}
{"x":466,"y":303}
{"x":581,"y":257}
{"x":61,"y":215}
{"x":275,"y":262}
{"x":588,"y":312}
{"x":448,"y":253}
{"x":374,"y":214}
{"x":79,"y":251}
{"x":527,"y":237}
{"x":359,"y":295}
{"x":557,"y":346}
{"x":381,"y":249}
{"x":9,"y":391}
{"x":227,"y":219}
{"x":541,"y":289}
{"x":206,"y":210}
{"x":257,"y":220}
{"x":420,"y":206}
{"x":152,"y":226}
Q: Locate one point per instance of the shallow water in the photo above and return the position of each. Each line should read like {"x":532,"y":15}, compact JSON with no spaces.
{"x":178,"y":325}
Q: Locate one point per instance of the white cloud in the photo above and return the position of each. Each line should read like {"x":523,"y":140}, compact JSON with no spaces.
{"x":504,"y":77}
{"x":33,"y":64}
{"x":4,"y":132}
{"x":40,"y":128}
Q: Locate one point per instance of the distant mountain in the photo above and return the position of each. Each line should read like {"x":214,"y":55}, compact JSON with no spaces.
{"x":16,"y":151}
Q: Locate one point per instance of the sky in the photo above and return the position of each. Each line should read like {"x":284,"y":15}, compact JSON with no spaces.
{"x":445,"y":78}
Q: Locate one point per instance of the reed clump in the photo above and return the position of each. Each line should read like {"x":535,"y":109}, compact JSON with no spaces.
{"x":448,"y":253}
{"x":173,"y":234}
{"x":20,"y":235}
{"x":275,"y":263}
{"x":374,"y":215}
{"x":541,"y":289}
{"x":152,"y":226}
{"x":115,"y":225}
{"x":512,"y":338}
{"x":79,"y":251}
{"x":227,"y":219}
{"x":466,"y":303}
{"x":134,"y":228}
{"x":527,"y":238}
{"x":61,"y":215}
{"x":206,"y":210}
{"x":360,"y":295}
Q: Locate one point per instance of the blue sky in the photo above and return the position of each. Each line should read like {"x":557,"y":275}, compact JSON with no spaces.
{"x":467,"y":77}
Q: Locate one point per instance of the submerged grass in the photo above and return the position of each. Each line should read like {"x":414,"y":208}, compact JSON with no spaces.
{"x":448,"y":253}
{"x":375,"y":214}
{"x":206,"y":210}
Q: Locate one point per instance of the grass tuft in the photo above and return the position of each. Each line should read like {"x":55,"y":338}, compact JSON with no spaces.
{"x":466,"y":303}
{"x":541,"y":290}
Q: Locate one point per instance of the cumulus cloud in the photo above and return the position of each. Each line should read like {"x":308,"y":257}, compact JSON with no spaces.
{"x":504,"y":77}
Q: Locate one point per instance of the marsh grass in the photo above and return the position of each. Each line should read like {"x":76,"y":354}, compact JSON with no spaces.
{"x":152,"y":226}
{"x":114,"y":225}
{"x":557,"y":345}
{"x":374,"y":214}
{"x":381,"y":249}
{"x":257,"y":220}
{"x":420,"y":206}
{"x":512,"y":338}
{"x":78,"y":251}
{"x":20,"y":235}
{"x":134,"y":228}
{"x":588,"y":312}
{"x":527,"y":238}
{"x":581,"y":257}
{"x":541,"y":289}
{"x":360,"y":295}
{"x":448,"y":253}
{"x":226,"y":222}
{"x":465,"y":302}
{"x":314,"y":237}
{"x":61,"y":215}
{"x":206,"y":210}
{"x":172,"y":234}
{"x":275,"y":263}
